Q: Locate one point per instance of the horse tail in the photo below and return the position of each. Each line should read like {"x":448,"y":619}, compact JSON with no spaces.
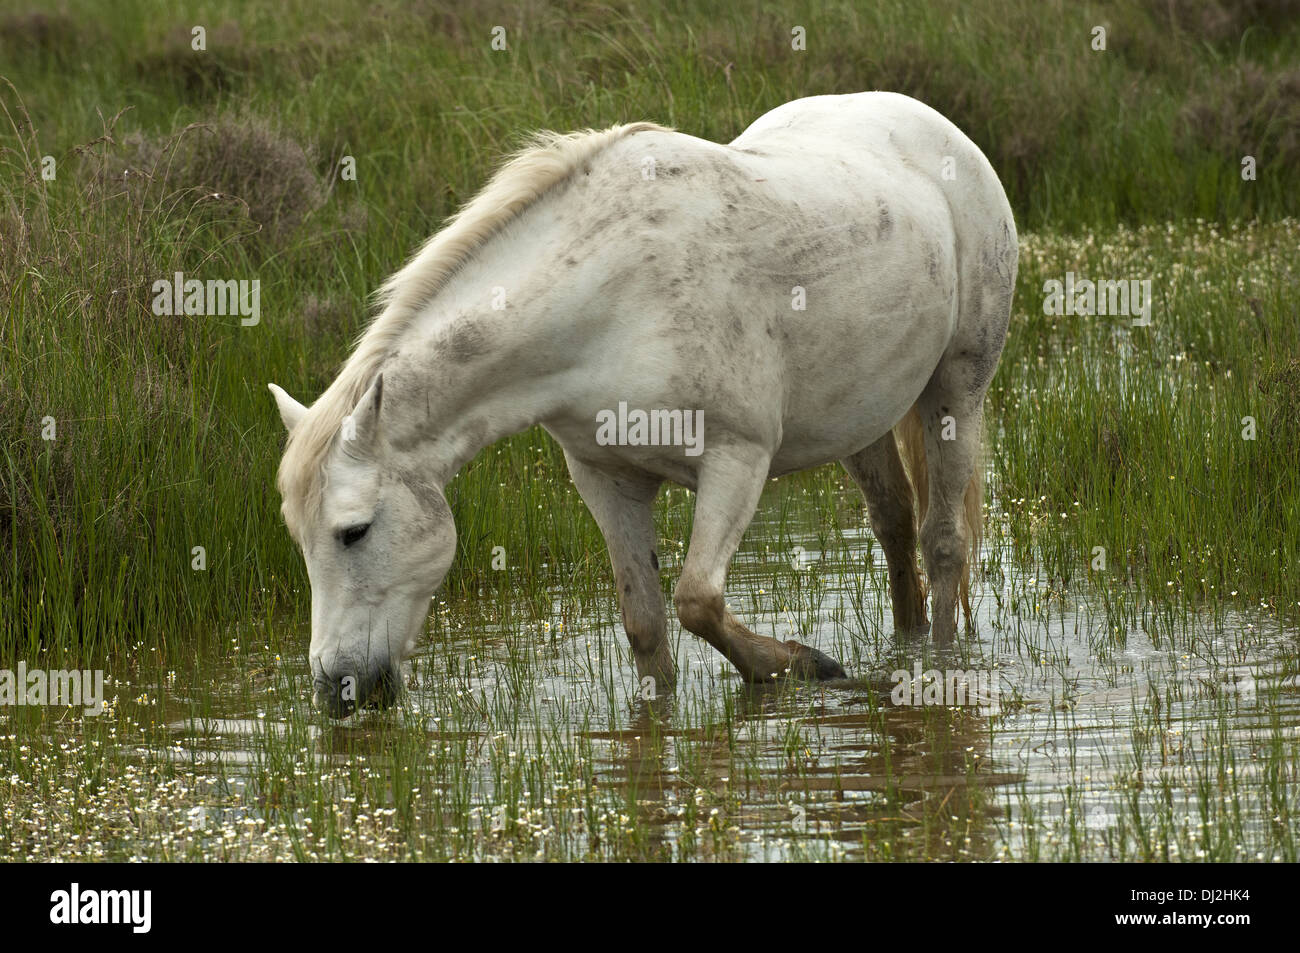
{"x":910,"y":435}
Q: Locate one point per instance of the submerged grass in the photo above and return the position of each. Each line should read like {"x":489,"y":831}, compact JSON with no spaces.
{"x":530,"y":741}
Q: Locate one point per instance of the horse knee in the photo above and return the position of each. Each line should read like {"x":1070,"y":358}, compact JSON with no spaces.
{"x":698,"y":609}
{"x":944,"y":546}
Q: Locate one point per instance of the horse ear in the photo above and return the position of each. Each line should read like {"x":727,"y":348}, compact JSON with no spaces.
{"x":291,"y":412}
{"x":363,"y":423}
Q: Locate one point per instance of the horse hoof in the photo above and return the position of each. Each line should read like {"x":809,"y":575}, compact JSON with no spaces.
{"x":813,"y":665}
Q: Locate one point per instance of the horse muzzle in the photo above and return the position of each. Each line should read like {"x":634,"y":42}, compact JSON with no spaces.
{"x":340,"y":693}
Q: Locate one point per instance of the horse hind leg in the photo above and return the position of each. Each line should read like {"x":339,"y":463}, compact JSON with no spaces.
{"x":878,"y":472}
{"x":729,"y":486}
{"x":950,"y":415}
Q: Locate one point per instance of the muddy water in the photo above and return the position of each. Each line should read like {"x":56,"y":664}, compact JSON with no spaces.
{"x":1140,"y":733}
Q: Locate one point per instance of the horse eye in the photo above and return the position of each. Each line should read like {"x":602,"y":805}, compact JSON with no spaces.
{"x":352,"y":534}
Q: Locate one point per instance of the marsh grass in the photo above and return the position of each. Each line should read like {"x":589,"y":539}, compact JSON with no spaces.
{"x":1140,"y":439}
{"x":516,"y":745}
{"x":227,"y":162}
{"x":524,"y":737}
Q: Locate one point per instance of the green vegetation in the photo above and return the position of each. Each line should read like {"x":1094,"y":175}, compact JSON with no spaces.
{"x":1123,"y":163}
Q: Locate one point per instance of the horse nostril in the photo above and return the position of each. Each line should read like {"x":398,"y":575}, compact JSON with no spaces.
{"x":336,"y":697}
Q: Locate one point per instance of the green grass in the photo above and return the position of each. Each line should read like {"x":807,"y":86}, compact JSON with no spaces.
{"x":1133,"y":439}
{"x":1120,"y":164}
{"x":166,"y":438}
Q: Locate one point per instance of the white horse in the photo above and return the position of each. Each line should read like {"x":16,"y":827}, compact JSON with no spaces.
{"x":840,"y":272}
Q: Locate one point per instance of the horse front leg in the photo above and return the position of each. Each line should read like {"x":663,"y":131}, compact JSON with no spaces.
{"x":729,"y":485}
{"x":623,"y":509}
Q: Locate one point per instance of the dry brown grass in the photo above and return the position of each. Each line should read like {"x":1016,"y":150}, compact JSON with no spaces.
{"x":1223,"y":21}
{"x":240,"y":158}
{"x":1256,"y":113}
{"x":227,"y":59}
{"x":50,"y":33}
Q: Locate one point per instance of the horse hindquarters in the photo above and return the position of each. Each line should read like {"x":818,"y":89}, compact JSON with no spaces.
{"x":942,"y":435}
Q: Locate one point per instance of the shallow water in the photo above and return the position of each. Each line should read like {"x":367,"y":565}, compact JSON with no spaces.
{"x":1166,"y":740}
{"x":1113,"y":731}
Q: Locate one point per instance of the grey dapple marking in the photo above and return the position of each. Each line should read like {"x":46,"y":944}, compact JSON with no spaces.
{"x":672,"y":291}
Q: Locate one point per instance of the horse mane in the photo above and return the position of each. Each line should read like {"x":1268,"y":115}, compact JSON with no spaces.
{"x":548,"y":159}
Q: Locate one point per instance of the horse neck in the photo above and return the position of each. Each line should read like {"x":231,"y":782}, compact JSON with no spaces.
{"x":470,"y":374}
